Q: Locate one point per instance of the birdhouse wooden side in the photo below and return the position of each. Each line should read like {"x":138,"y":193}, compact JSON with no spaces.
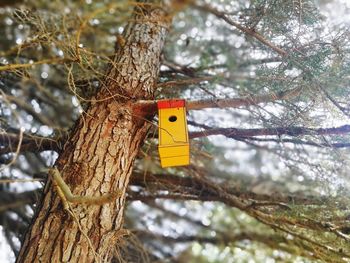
{"x":174,"y":147}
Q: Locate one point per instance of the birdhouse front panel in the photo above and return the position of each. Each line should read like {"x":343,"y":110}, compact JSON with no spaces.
{"x":173,"y":146}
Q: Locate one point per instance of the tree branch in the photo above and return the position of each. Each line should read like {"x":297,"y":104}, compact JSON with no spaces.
{"x":297,"y":141}
{"x":183,"y":82}
{"x":30,"y":142}
{"x":150,"y":106}
{"x":248,"y":31}
{"x":291,"y":131}
{"x":191,"y":188}
{"x":274,"y":241}
{"x":10,"y":200}
{"x":35,"y":143}
{"x":222,"y":239}
{"x":5,"y":3}
{"x":41,"y":62}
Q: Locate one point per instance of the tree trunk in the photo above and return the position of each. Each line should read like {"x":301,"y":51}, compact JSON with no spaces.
{"x":98,"y":157}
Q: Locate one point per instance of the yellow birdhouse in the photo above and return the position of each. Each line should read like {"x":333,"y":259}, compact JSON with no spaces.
{"x":174,"y":147}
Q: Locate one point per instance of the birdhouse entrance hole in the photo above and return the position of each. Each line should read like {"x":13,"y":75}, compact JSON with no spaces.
{"x":172,"y":118}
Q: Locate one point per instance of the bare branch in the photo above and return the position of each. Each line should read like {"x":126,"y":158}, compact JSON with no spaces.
{"x":291,"y":131}
{"x":5,"y":3}
{"x":335,"y":103}
{"x":239,"y":102}
{"x":41,"y":62}
{"x":150,"y":106}
{"x":222,"y":239}
{"x":30,"y":142}
{"x":10,"y":200}
{"x":300,"y":142}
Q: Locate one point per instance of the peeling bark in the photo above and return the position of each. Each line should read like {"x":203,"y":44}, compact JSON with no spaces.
{"x":100,"y":153}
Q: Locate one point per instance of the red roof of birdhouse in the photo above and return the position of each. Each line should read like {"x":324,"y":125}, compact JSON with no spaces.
{"x":164,"y":104}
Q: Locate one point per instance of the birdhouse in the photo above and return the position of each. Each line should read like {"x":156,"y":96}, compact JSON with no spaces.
{"x":174,"y":147}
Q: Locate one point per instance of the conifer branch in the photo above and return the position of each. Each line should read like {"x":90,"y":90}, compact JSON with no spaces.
{"x":248,"y":31}
{"x":38,"y":144}
{"x":191,"y":188}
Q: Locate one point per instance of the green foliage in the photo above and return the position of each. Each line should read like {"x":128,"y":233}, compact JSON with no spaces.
{"x":266,"y":198}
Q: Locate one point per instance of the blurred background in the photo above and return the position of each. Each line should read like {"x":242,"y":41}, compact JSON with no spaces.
{"x":285,"y":162}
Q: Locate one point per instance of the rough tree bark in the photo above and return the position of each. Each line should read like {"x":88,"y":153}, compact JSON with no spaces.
{"x":98,"y":157}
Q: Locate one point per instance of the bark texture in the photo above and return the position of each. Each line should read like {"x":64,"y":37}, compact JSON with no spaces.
{"x":99,"y":156}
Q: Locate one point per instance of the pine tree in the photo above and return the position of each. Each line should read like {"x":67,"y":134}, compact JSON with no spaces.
{"x":79,"y":86}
